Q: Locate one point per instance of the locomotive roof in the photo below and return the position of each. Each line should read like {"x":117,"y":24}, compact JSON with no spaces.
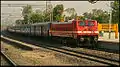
{"x":42,"y":23}
{"x":45,"y":23}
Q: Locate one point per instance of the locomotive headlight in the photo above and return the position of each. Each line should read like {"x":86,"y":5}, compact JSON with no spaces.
{"x":81,"y":39}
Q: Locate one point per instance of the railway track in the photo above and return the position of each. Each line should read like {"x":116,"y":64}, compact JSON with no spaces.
{"x":79,"y":54}
{"x":36,"y":40}
{"x":10,"y":62}
{"x":11,"y":35}
{"x":83,"y":55}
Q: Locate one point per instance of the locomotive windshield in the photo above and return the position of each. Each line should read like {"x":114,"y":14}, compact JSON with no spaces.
{"x":90,"y":23}
{"x":82,"y":23}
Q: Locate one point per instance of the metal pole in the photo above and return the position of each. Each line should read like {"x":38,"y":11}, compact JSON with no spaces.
{"x":43,"y":17}
{"x":50,"y":11}
{"x":110,"y":22}
{"x":27,"y":19}
{"x":46,"y":8}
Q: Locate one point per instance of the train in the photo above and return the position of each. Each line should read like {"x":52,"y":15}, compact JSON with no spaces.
{"x":79,"y":32}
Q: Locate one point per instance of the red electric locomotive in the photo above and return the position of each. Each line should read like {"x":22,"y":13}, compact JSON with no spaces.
{"x":80,"y":31}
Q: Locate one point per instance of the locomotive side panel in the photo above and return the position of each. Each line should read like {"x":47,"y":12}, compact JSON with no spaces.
{"x":61,"y":30}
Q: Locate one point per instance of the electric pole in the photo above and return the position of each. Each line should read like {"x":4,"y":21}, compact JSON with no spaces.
{"x":110,"y":21}
{"x":46,"y":6}
{"x":49,"y":9}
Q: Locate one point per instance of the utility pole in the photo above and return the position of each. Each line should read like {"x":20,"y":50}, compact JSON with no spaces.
{"x":28,"y":16}
{"x":110,"y":21}
{"x":49,"y":8}
{"x":46,"y":6}
{"x":51,"y":12}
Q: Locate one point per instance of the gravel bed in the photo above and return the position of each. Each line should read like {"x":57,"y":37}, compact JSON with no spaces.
{"x":4,"y":62}
{"x":14,"y":54}
{"x":77,"y":61}
{"x":96,"y":53}
{"x":44,"y":57}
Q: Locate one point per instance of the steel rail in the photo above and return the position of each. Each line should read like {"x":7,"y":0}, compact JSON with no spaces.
{"x":82,"y":55}
{"x":8,"y":59}
{"x":78,"y":54}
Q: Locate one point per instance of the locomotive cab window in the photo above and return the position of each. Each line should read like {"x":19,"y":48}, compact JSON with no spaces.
{"x":90,"y":23}
{"x":82,"y":23}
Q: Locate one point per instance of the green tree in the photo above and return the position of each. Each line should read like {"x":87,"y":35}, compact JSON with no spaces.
{"x":18,"y":22}
{"x":27,"y":10}
{"x":41,"y":14}
{"x":87,"y":15}
{"x":81,"y":17}
{"x":99,"y":15}
{"x":36,"y":17}
{"x":92,"y":1}
{"x":47,"y":13}
{"x":57,"y":12}
{"x":71,"y":12}
{"x":115,"y":11}
{"x":38,"y":11}
{"x":46,"y":16}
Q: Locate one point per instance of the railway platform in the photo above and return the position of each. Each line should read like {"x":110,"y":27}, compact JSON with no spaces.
{"x":112,"y":43}
{"x":108,"y":40}
{"x":105,"y":38}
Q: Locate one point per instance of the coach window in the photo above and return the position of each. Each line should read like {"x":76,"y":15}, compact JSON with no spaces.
{"x":36,"y":29}
{"x":39,"y":29}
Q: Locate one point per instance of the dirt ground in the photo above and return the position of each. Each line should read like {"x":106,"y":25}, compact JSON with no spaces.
{"x":43,"y":57}
{"x":4,"y":62}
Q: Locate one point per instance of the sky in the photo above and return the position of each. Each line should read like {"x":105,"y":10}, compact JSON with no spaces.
{"x":80,"y":6}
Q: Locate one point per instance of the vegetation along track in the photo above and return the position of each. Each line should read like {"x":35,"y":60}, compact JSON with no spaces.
{"x":7,"y":59}
{"x":79,"y":54}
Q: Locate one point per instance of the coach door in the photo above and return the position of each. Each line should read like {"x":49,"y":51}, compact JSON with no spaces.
{"x":41,"y":30}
